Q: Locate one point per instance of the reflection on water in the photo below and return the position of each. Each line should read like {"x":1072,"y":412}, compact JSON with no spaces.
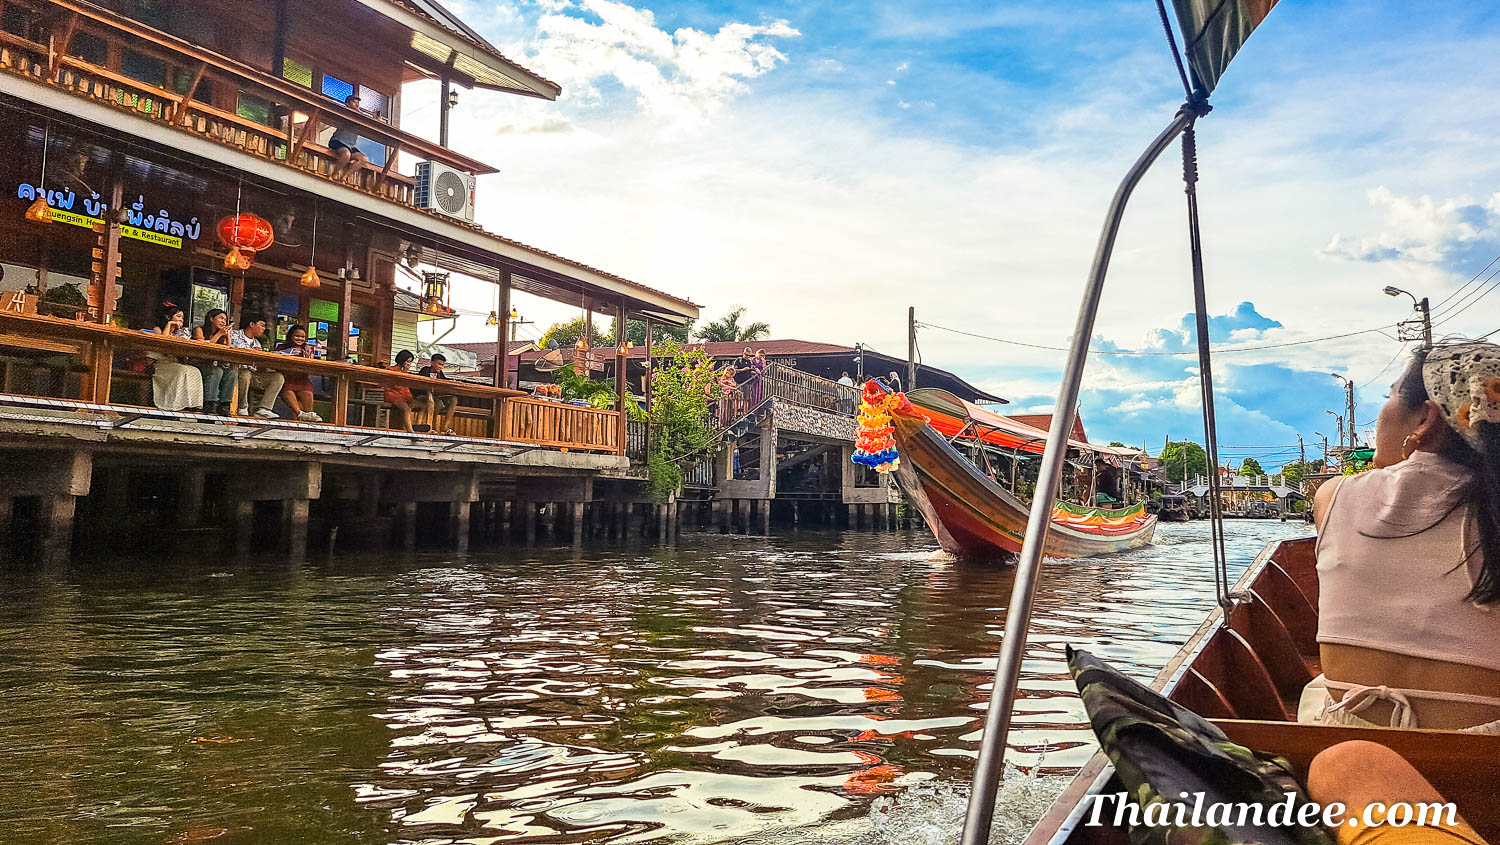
{"x":816,"y":687}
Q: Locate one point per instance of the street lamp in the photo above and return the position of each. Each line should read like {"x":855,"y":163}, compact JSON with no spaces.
{"x":1422,"y":308}
{"x":1349,"y":407}
{"x":1338,"y":426}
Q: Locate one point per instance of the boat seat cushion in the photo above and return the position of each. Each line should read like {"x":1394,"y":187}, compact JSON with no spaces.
{"x":1161,"y":749}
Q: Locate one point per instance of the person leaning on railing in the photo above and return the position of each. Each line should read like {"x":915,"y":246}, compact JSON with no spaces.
{"x":175,"y":386}
{"x":297,"y":390}
{"x":218,"y":376}
{"x":398,"y":396}
{"x":269,"y":382}
{"x":445,"y":404}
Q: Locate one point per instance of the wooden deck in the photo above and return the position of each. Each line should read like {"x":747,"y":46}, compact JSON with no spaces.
{"x":107,"y":354}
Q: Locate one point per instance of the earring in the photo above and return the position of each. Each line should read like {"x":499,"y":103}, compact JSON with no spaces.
{"x":1411,"y":444}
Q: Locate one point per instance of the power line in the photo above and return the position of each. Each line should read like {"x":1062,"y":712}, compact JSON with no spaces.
{"x":1399,"y":353}
{"x":1141,"y":353}
{"x":1469,"y":282}
{"x":1483,"y":292}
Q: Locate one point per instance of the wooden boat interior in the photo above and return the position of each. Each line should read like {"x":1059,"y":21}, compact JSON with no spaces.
{"x":1246,"y":674}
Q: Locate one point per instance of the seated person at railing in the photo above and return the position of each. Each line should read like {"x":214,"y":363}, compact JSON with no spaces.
{"x":218,"y":376}
{"x":399,"y":396}
{"x":447,"y":404}
{"x":297,"y":390}
{"x":347,"y":158}
{"x":268,"y":382}
{"x":174,"y":385}
{"x":1409,"y":558}
{"x":1106,"y":483}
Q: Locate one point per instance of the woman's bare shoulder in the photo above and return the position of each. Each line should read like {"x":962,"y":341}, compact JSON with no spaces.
{"x":1323,"y":500}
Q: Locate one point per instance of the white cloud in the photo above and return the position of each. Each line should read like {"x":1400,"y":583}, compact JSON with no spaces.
{"x":1420,"y":229}
{"x":683,"y":75}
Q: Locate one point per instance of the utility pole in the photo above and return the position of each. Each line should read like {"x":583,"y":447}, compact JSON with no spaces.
{"x":859,"y":364}
{"x":1426,"y":323}
{"x":911,"y":348}
{"x":1301,"y":454}
{"x":1349,"y":386}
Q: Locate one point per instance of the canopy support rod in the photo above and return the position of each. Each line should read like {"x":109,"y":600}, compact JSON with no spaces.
{"x":988,"y":771}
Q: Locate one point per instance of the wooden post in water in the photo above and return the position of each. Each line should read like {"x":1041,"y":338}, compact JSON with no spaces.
{"x":409,"y":526}
{"x":528,"y":513}
{"x":461,"y":514}
{"x":577,"y":524}
{"x":244,"y":525}
{"x":294,"y":516}
{"x":57,"y":529}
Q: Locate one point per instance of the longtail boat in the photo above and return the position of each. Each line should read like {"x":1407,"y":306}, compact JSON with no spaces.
{"x":968,"y":510}
{"x":1245,"y":671}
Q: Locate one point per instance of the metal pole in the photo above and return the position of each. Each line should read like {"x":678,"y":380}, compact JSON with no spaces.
{"x":502,"y":351}
{"x":1349,"y":386}
{"x":1426,"y":323}
{"x":859,"y":354}
{"x":444,"y":103}
{"x":911,"y":348}
{"x":991,"y":763}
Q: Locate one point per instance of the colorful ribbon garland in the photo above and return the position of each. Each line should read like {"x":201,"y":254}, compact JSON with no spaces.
{"x":875,"y":442}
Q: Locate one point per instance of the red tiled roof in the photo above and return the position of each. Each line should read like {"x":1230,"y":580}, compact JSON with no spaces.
{"x":1044,"y":422}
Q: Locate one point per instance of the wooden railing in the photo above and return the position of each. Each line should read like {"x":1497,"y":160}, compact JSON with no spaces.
{"x":185,"y":66}
{"x":90,"y":374}
{"x":784,"y":382}
{"x":562,"y":426}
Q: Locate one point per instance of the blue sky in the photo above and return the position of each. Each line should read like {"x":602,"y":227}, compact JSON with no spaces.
{"x":829,"y":164}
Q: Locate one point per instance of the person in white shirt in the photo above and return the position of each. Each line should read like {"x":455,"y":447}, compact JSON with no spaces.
{"x":268,"y":382}
{"x":846,"y":401}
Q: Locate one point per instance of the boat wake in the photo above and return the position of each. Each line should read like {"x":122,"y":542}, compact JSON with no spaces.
{"x":932,"y":814}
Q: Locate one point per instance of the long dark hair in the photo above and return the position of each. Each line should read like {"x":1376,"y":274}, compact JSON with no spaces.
{"x":208,"y":320}
{"x":1484,"y":490}
{"x":164,"y":314}
{"x":286,"y":339}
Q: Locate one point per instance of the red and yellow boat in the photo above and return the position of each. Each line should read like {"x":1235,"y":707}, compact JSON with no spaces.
{"x":970,"y":511}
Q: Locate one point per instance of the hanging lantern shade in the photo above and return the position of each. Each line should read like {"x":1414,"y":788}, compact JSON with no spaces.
{"x":310,"y":279}
{"x":435,"y":293}
{"x":238,"y":260}
{"x":246,"y":232}
{"x":39,"y":211}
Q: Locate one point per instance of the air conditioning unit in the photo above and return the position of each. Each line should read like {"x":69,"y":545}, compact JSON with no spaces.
{"x":445,"y":190}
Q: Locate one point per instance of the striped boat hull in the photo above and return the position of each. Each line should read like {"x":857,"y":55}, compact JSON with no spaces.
{"x":974,"y":517}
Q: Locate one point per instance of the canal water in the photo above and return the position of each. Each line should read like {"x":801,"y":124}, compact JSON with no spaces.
{"x":809,"y":687}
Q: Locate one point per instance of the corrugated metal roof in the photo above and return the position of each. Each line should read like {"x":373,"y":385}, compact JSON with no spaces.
{"x":434,"y":13}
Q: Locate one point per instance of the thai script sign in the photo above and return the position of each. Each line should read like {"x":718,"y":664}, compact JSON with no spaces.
{"x":137,"y":223}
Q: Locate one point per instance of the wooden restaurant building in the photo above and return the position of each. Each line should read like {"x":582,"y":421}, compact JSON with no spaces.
{"x":191,"y":151}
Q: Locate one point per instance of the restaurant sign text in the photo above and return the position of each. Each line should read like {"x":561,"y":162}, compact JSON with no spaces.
{"x":137,"y":223}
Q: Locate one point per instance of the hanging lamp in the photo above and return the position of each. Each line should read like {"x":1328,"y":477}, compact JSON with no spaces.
{"x":310,"y":278}
{"x":39,"y":211}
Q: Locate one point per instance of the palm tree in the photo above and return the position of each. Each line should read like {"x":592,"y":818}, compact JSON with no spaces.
{"x":727,"y":329}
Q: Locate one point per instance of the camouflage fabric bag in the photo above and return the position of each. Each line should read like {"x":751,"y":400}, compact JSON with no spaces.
{"x":1161,"y":750}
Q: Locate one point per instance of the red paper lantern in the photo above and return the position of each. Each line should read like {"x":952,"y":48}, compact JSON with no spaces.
{"x":246,"y":232}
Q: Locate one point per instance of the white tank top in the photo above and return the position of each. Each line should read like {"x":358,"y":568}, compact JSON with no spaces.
{"x":1387,"y":584}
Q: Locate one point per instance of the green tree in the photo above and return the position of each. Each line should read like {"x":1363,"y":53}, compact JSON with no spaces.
{"x":1295,"y":471}
{"x":1251,"y":467}
{"x":1183,"y":460}
{"x":635,"y":332}
{"x":728,"y":329}
{"x":681,"y":428}
{"x":566,"y":333}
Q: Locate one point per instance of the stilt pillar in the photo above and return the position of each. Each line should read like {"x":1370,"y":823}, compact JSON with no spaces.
{"x":528,"y":513}
{"x":577,"y":524}
{"x":57,"y":529}
{"x":189,"y":496}
{"x":409,"y":526}
{"x":244,"y":525}
{"x":294,"y":516}
{"x":661,"y":523}
{"x":459,"y":517}
{"x":765,"y":518}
